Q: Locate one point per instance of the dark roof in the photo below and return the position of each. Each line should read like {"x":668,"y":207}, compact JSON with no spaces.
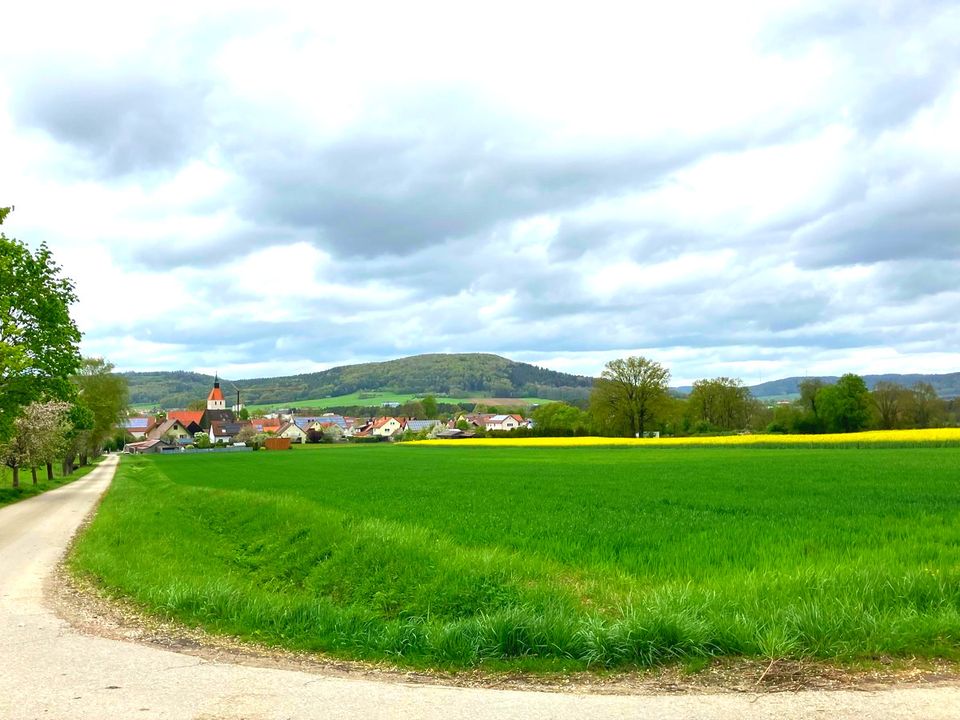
{"x":228,"y":429}
{"x":212,"y":416}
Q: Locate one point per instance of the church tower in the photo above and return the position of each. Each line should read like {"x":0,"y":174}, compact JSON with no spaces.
{"x":215,"y":399}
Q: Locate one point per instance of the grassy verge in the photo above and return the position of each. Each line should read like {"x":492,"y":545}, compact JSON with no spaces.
{"x":27,"y":489}
{"x":542,"y":558}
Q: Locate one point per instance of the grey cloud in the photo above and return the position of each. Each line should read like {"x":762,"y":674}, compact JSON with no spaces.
{"x":125,"y":123}
{"x":211,"y":252}
{"x":918,"y":222}
{"x":900,"y":56}
{"x":909,"y":280}
{"x":371,"y":197}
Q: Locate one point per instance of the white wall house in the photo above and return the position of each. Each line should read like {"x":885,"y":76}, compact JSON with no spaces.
{"x":504,"y":422}
{"x":293,"y":432}
{"x":385,"y":426}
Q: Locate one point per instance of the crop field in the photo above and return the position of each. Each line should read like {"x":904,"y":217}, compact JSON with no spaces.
{"x":544,"y":558}
{"x":928,"y":438}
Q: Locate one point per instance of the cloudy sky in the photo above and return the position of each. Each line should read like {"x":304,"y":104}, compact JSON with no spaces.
{"x":747,"y":189}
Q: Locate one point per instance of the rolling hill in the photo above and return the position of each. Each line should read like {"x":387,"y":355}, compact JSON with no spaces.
{"x":946,"y":385}
{"x":465,"y":375}
{"x":455,"y":375}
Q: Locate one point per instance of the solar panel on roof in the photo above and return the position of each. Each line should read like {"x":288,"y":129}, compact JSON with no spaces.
{"x":134,"y":423}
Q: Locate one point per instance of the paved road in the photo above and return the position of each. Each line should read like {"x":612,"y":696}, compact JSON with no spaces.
{"x":49,"y":670}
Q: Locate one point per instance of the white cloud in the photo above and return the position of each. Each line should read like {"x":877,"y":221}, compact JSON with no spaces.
{"x":742,"y":189}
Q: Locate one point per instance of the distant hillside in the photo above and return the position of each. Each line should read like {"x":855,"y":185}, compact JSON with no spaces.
{"x":456,"y":375}
{"x":946,"y":386}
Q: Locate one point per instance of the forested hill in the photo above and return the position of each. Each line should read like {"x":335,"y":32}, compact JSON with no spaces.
{"x":946,"y":386}
{"x":455,"y":375}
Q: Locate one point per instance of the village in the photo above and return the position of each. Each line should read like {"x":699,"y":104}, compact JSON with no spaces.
{"x":221,"y":427}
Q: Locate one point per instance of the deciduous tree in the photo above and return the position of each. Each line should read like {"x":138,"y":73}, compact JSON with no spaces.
{"x":105,"y":394}
{"x":845,"y":407}
{"x":723,"y":403}
{"x":889,"y":400}
{"x":38,"y":338}
{"x":629,"y":392}
{"x":558,"y":417}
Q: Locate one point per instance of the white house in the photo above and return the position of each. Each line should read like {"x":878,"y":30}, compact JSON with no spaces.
{"x":385,"y":426}
{"x":503,"y":422}
{"x":292,"y":431}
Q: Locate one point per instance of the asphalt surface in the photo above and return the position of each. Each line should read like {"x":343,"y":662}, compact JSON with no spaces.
{"x":50,"y":670}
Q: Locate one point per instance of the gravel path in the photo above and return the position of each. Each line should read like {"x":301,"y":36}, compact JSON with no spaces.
{"x":48,"y":669}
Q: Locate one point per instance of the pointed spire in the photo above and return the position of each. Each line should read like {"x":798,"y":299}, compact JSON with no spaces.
{"x":216,"y":380}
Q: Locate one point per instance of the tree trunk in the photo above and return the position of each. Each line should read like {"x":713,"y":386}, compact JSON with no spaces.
{"x":49,"y":471}
{"x":16,"y":477}
{"x":33,"y":474}
{"x":83,"y":460}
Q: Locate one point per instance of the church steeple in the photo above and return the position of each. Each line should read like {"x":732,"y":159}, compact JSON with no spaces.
{"x":215,"y":399}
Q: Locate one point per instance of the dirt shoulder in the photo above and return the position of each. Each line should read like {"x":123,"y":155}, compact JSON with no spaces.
{"x":92,"y":612}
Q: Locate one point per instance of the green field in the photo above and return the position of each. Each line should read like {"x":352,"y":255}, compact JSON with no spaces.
{"x":545,"y":558}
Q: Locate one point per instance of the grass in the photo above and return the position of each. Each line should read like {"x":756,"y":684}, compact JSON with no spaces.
{"x":545,"y":558}
{"x":27,"y":489}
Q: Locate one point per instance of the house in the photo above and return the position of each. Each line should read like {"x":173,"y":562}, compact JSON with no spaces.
{"x":454,"y":434}
{"x":139,"y":425}
{"x":416,"y":426}
{"x":266,"y":424}
{"x":477,"y":419}
{"x":305,"y":422}
{"x":292,"y":432}
{"x":171,"y":431}
{"x":225,"y":431}
{"x":503,"y":422}
{"x":330,"y":430}
{"x":385,"y":427}
{"x":192,"y":419}
{"x":145,"y":447}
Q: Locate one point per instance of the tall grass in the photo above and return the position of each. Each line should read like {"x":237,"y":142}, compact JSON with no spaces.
{"x":557,"y":558}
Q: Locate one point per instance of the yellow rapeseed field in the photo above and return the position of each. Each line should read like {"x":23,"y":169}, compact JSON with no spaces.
{"x":934,"y":436}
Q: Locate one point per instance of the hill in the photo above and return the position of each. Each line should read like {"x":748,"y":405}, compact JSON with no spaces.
{"x":455,"y":375}
{"x":946,"y":385}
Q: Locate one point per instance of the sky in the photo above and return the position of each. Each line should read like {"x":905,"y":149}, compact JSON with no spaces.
{"x":746,"y":189}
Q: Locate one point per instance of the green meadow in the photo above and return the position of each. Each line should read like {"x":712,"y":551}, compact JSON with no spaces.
{"x":545,"y":558}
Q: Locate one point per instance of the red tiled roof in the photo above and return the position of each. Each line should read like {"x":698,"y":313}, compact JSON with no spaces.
{"x":186,"y":416}
{"x":215,"y":394}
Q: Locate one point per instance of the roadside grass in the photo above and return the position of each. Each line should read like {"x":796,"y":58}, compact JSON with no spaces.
{"x":545,"y":558}
{"x":9,"y":495}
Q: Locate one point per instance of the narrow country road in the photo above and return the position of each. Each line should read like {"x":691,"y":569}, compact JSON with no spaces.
{"x":50,"y":670}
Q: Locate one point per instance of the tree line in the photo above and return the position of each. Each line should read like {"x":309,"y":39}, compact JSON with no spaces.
{"x":55,"y":406}
{"x":632,"y":398}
